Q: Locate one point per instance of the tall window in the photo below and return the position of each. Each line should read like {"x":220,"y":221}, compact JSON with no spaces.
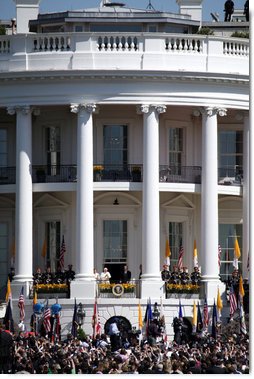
{"x":3,"y":257}
{"x":53,"y":229}
{"x":227,"y":235}
{"x":53,"y":150}
{"x":230,"y":153}
{"x":175,"y":240}
{"x":115,"y":241}
{"x":175,"y":150}
{"x":115,"y":145}
{"x":3,"y":147}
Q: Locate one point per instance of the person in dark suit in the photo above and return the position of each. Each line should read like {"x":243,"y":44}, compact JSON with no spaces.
{"x":228,"y":9}
{"x":126,"y":275}
{"x":165,"y":274}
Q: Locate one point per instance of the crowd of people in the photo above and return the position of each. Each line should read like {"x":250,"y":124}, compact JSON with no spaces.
{"x":227,"y":354}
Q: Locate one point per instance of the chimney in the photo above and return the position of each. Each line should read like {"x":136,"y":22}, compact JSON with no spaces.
{"x":26,"y":10}
{"x":192,"y":8}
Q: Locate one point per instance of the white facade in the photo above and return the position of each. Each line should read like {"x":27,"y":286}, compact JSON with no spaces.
{"x":156,"y":84}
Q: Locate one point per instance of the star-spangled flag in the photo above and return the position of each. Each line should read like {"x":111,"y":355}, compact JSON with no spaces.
{"x":180,"y":258}
{"x":46,"y":318}
{"x":232,"y":302}
{"x":205,"y":314}
{"x":21,"y":305}
{"x":62,"y":254}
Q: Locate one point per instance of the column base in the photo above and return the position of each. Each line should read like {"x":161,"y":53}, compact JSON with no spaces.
{"x":83,"y":289}
{"x":210,"y":289}
{"x":16,"y":286}
{"x":152,"y":288}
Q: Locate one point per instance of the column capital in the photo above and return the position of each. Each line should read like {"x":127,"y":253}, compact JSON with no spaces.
{"x":210,"y":111}
{"x":89,"y":108}
{"x":24,"y":109}
{"x":145,"y":108}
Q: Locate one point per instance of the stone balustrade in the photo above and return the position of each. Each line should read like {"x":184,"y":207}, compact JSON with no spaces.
{"x":122,"y":51}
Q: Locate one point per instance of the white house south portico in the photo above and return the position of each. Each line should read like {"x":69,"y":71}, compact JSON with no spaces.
{"x":119,"y":139}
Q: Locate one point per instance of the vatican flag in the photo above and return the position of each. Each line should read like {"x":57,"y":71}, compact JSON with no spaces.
{"x":167,"y":253}
{"x":237,"y":254}
{"x":195,"y":255}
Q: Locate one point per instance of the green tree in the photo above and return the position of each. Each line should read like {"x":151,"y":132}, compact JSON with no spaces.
{"x":2,"y":30}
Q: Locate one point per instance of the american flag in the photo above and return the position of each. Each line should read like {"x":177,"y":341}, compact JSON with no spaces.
{"x":219,"y":256}
{"x":205,"y":314}
{"x":180,"y":258}
{"x":46,"y":318}
{"x":62,"y":253}
{"x":232,"y":301}
{"x":21,"y":305}
{"x":96,"y":320}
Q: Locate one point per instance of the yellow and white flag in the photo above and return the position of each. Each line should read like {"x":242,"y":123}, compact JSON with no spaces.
{"x":167,"y":253}
{"x":195,"y":255}
{"x":237,"y":254}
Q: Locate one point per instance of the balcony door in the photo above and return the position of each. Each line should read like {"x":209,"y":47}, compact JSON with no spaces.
{"x":115,"y":147}
{"x":175,"y":146}
{"x":53,"y":150}
{"x":52,"y":244}
{"x":115,"y":247}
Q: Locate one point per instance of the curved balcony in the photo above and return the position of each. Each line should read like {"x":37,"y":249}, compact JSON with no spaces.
{"x":124,"y":51}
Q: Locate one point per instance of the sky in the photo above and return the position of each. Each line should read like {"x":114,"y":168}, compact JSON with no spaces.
{"x":7,"y":7}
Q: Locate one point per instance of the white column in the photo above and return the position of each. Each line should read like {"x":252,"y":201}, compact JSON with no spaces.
{"x":246,"y":194}
{"x":151,"y":200}
{"x":85,"y":223}
{"x":24,"y":194}
{"x":209,"y":199}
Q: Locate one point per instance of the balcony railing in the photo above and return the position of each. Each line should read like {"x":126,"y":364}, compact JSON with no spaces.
{"x":180,"y":174}
{"x":118,"y":290}
{"x":230,"y":176}
{"x":123,"y":51}
{"x":7,"y":175}
{"x":54,"y":174}
{"x":118,"y":173}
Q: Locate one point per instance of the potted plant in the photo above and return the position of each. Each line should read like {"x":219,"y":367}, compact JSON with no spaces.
{"x":136,"y":174}
{"x":40,"y":174}
{"x":97,"y":170}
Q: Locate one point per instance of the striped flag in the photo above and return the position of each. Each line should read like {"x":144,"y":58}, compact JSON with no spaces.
{"x":21,"y":305}
{"x":219,"y":255}
{"x":195,"y":255}
{"x":237,"y":254}
{"x":62,"y":254}
{"x":96,"y":320}
{"x":219,"y":303}
{"x":205,"y":314}
{"x":46,"y":318}
{"x":167,"y":253}
{"x":180,"y":258}
{"x":243,"y":328}
{"x":232,"y":302}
